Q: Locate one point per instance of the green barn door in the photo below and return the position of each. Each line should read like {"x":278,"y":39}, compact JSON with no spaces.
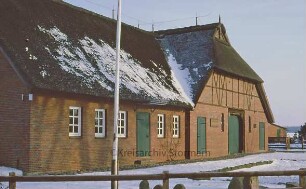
{"x":143,"y":133}
{"x":201,"y":135}
{"x":233,"y":134}
{"x":261,"y":136}
{"x":278,"y":132}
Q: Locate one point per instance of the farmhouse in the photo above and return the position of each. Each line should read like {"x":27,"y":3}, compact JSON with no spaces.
{"x":184,"y":93}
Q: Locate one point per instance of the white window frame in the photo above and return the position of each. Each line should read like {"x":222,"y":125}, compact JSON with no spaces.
{"x":121,"y":117}
{"x":73,"y":124}
{"x":99,"y":124}
{"x":160,"y":125}
{"x":176,"y":126}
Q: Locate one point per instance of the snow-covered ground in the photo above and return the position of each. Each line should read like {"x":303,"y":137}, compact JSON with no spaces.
{"x":281,"y":161}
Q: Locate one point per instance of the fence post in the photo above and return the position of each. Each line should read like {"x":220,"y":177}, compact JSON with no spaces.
{"x":302,"y":180}
{"x":144,"y":184}
{"x":12,"y":182}
{"x":179,"y":186}
{"x":166,"y":180}
{"x":250,"y":182}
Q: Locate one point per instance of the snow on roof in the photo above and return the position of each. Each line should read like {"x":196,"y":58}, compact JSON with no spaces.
{"x":190,"y":57}
{"x":94,"y":61}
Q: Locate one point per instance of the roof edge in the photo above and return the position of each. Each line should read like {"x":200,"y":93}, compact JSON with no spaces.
{"x":99,"y":15}
{"x":220,"y":70}
{"x":265,"y":102}
{"x":149,"y":103}
{"x":278,"y":126}
{"x":187,"y":29}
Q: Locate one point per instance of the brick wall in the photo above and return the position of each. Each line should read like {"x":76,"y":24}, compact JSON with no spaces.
{"x":51,"y":148}
{"x":224,"y":95}
{"x":14,"y":118}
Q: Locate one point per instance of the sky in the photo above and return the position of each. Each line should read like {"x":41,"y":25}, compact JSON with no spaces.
{"x":270,"y":35}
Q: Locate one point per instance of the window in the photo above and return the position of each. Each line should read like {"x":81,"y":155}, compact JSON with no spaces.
{"x":222,"y":122}
{"x":250,"y":124}
{"x":74,"y":121}
{"x":100,"y":123}
{"x":176,"y":126}
{"x":160,"y":125}
{"x":121,"y":128}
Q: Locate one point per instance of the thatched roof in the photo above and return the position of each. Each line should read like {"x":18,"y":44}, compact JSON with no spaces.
{"x":56,"y":46}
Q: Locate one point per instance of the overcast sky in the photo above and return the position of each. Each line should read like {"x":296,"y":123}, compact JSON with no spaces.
{"x":268,"y":34}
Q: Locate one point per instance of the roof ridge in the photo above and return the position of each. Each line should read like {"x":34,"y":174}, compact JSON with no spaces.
{"x":99,"y":15}
{"x":188,"y":29}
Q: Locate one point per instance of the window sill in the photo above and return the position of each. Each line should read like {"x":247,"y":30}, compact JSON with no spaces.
{"x":100,"y":137}
{"x":75,"y":137}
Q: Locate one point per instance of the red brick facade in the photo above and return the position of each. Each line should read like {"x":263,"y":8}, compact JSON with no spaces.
{"x":224,"y":95}
{"x":51,"y":148}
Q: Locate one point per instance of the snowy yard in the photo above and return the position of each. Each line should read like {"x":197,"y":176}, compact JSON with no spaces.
{"x":281,"y":161}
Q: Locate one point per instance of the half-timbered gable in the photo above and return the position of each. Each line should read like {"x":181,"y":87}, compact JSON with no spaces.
{"x":231,"y":112}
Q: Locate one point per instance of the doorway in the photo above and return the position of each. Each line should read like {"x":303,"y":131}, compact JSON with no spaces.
{"x":235,"y":134}
{"x":143,"y":134}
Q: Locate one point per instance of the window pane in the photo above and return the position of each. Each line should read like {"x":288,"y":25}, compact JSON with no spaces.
{"x":122,"y":130}
{"x":76,"y":120}
{"x":96,"y":122}
{"x":96,"y":129}
{"x":70,"y":112}
{"x":76,"y":129}
{"x":75,"y":112}
{"x":101,"y":114}
{"x":70,"y":120}
{"x":97,"y":114}
{"x":70,"y":129}
{"x":100,"y":130}
{"x":122,"y":123}
{"x":100,"y":122}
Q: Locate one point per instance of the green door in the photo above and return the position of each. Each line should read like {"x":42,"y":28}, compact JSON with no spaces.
{"x":261,"y":136}
{"x":201,"y":135}
{"x":233,"y":134}
{"x":278,"y":132}
{"x":143,"y":133}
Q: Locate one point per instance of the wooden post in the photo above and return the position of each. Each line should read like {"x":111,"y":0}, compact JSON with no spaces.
{"x":250,"y":182}
{"x":179,"y":186}
{"x":12,"y":182}
{"x":144,"y":184}
{"x":287,"y":143}
{"x":158,"y":187}
{"x":302,"y":180}
{"x":166,"y":180}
